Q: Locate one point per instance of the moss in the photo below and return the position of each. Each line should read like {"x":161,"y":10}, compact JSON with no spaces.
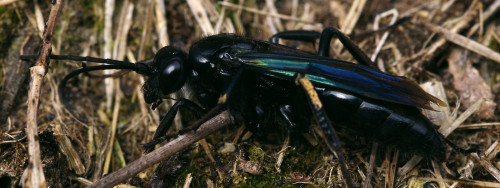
{"x":256,"y":154}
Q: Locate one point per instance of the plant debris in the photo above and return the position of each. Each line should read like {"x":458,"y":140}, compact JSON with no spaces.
{"x":452,"y":46}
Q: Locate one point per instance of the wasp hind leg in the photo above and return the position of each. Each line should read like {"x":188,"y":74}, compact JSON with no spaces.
{"x":326,"y":37}
{"x":324,"y":46}
{"x":323,"y":121}
{"x":300,"y":35}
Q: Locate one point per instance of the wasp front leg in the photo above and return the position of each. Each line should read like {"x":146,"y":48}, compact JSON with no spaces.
{"x":323,"y":121}
{"x":167,"y":120}
{"x":224,"y":98}
{"x":200,"y":113}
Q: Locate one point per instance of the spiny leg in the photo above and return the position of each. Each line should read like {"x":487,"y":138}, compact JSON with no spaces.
{"x":324,"y":122}
{"x":167,"y":120}
{"x":326,"y":37}
{"x":222,"y":102}
{"x":204,"y":116}
{"x":324,"y":42}
{"x":324,"y":46}
{"x":300,"y":35}
{"x":311,"y":36}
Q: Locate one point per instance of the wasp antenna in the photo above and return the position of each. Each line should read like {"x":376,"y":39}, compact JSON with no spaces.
{"x":84,"y":58}
{"x":146,"y":61}
{"x":28,"y":57}
{"x":139,"y":68}
{"x":89,"y":59}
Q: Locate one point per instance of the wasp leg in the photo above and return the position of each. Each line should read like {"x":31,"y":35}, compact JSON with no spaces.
{"x":311,"y":36}
{"x":167,"y":120}
{"x":229,"y":90}
{"x":300,"y":35}
{"x":324,"y":46}
{"x":326,"y":126}
{"x":324,"y":42}
{"x":200,"y":112}
{"x":223,"y":99}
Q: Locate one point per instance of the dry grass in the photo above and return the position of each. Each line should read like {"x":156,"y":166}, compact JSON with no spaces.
{"x":453,"y":44}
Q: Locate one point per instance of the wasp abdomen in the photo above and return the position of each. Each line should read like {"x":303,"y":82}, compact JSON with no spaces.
{"x":400,"y":125}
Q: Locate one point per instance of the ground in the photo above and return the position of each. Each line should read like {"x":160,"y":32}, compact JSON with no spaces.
{"x":74,"y":153}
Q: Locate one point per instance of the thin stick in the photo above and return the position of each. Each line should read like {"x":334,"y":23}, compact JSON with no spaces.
{"x":118,"y":53}
{"x":256,"y":11}
{"x":108,"y":48}
{"x":494,"y":7}
{"x":465,"y":183}
{"x":373,"y":155}
{"x":35,"y":176}
{"x":464,"y":42}
{"x":487,"y":165}
{"x":207,"y":128}
{"x":430,"y":51}
{"x":201,"y":16}
{"x":6,"y":2}
{"x":161,"y":24}
{"x":348,"y":23}
{"x":488,"y":125}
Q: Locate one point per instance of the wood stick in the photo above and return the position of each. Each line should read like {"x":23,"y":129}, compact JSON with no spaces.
{"x":35,"y":176}
{"x":464,"y":42}
{"x":183,"y":141}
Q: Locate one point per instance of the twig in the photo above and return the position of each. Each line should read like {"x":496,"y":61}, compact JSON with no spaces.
{"x":153,"y":118}
{"x":479,"y":125}
{"x":108,"y":48}
{"x":430,"y":51}
{"x":494,"y":7}
{"x":353,"y":15}
{"x":473,"y":183}
{"x":369,"y":172}
{"x":201,"y":16}
{"x":187,"y":183}
{"x":464,"y":42}
{"x":487,"y":165}
{"x":6,"y":2}
{"x":395,"y":14}
{"x":272,"y":9}
{"x":209,"y":127}
{"x":347,"y":24}
{"x":437,"y":173}
{"x":118,"y":53}
{"x":256,"y":11}
{"x":35,"y":176}
{"x":161,"y":23}
{"x":210,"y":156}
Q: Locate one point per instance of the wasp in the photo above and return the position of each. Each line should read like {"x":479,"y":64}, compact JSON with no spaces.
{"x":264,"y":82}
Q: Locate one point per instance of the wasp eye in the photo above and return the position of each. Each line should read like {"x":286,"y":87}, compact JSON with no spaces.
{"x":171,"y":66}
{"x":170,"y":76}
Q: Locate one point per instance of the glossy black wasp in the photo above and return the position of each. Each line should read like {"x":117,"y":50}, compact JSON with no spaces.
{"x":256,"y":80}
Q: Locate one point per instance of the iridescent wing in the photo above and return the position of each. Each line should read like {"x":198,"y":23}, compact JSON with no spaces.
{"x":343,"y":75}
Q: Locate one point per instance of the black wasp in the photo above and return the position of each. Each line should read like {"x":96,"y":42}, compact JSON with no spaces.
{"x":256,"y":81}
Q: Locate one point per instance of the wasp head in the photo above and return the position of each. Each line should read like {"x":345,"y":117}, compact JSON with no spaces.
{"x":168,"y":74}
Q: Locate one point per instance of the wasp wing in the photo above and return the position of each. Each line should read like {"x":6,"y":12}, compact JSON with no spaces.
{"x":343,"y":75}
